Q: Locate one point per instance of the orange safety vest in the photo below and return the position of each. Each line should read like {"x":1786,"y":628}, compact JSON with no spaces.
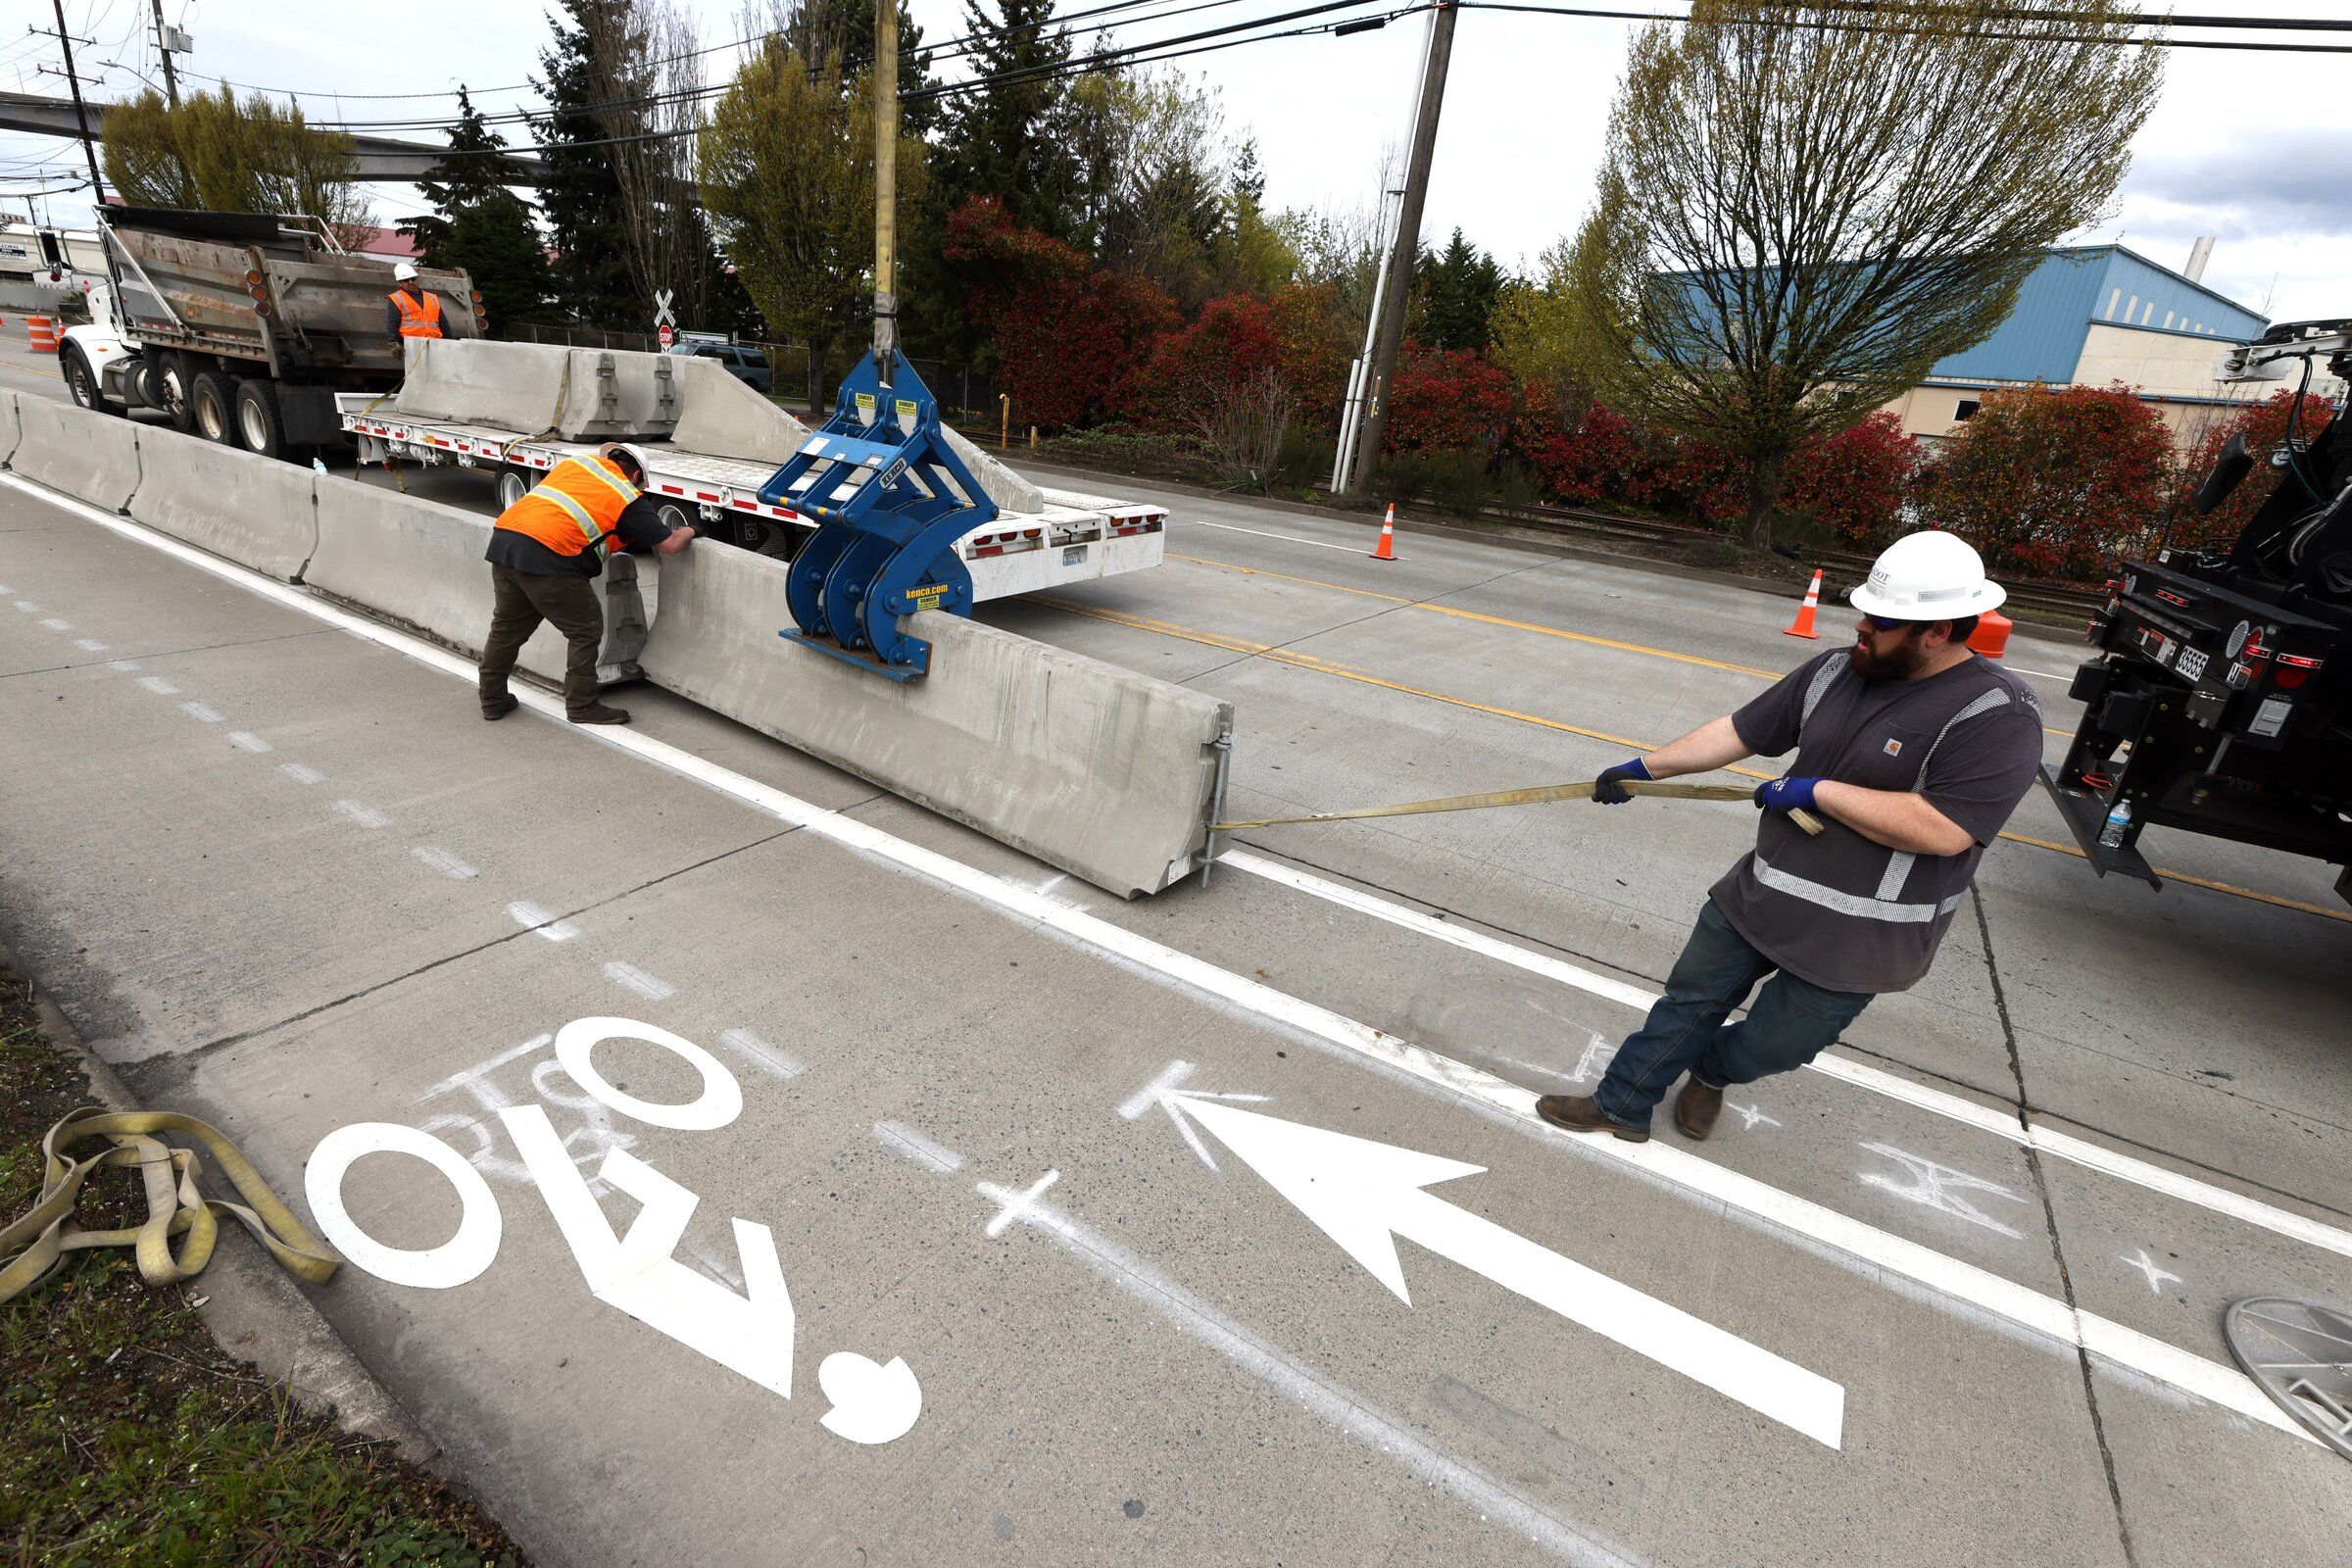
{"x":417,"y":318}
{"x":575,"y":507}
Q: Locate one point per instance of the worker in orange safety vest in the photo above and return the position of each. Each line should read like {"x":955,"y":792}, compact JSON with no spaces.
{"x":412,"y":310}
{"x":546,"y":552}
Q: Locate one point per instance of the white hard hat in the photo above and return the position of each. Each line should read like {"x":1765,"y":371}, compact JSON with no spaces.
{"x":402,"y":271}
{"x":1929,"y":576}
{"x":624,"y":449}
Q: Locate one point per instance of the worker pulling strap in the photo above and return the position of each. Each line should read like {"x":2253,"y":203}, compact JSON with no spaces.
{"x":1541,"y":795}
{"x":33,"y":1246}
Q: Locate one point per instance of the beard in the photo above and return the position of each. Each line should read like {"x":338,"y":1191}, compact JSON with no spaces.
{"x":1898,"y":663}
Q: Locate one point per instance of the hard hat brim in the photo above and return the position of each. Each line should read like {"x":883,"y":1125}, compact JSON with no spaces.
{"x":1987,"y":596}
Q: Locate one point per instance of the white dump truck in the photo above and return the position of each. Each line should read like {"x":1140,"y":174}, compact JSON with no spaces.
{"x":513,"y":411}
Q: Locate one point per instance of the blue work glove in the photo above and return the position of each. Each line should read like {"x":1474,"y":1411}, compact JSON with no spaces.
{"x":1790,"y":794}
{"x":1604,"y":788}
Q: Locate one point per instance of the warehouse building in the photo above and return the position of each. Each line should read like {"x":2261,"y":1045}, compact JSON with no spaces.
{"x":2095,"y":316}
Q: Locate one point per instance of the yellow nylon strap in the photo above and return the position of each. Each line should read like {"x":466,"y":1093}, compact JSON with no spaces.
{"x":1582,"y":790}
{"x":33,"y":1246}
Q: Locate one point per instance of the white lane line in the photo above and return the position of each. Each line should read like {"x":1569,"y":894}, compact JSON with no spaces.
{"x":202,"y":713}
{"x":916,"y":1147}
{"x":1292,"y":538}
{"x":775,"y":1062}
{"x":531,"y":918}
{"x":55,"y":624}
{"x":367,"y":817}
{"x":158,"y":685}
{"x":1865,"y":1249}
{"x":89,"y":645}
{"x":1334,"y":1403}
{"x":301,"y":774}
{"x":627,"y":976}
{"x":250,"y":742}
{"x":1937,"y":1101}
{"x":2043,"y":673}
{"x":441,"y":860}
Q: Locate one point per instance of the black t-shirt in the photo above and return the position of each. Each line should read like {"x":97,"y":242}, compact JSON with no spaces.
{"x":640,"y":526}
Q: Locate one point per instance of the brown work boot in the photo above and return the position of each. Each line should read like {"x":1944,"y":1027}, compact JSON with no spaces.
{"x":497,"y":707}
{"x":1582,"y":1114}
{"x":601,"y":715}
{"x":1695,"y":1109}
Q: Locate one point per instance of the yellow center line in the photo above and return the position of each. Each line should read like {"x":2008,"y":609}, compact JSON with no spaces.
{"x":1325,"y":667}
{"x":1538,"y":627}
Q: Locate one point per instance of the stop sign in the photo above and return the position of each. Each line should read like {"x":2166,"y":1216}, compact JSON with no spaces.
{"x":665,"y":334}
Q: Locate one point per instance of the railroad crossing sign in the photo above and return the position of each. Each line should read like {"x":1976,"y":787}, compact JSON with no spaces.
{"x":665,"y":325}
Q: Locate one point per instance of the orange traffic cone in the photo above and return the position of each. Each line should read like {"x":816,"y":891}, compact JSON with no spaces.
{"x":1803,"y":625}
{"x":1386,"y":549}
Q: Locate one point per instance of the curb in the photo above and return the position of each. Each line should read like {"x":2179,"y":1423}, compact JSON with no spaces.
{"x":254,"y":1311}
{"x":1507,"y":536}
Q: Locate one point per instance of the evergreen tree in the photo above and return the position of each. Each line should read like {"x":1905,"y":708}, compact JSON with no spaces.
{"x":1002,"y":139}
{"x":1459,"y":288}
{"x":479,"y":225}
{"x":581,"y":193}
{"x":817,"y":29}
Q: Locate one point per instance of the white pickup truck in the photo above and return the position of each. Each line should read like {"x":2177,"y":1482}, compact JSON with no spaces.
{"x":513,"y":411}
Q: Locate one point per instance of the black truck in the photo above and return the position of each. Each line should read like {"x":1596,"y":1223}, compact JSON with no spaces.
{"x":2221,"y":699}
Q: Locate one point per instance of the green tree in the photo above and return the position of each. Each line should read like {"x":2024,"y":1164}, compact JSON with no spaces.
{"x":1008,"y":140}
{"x":1151,"y":169}
{"x":818,"y":29}
{"x":220,"y":154}
{"x":1458,"y":289}
{"x":1798,"y":212}
{"x":1539,"y":337}
{"x":479,"y":225}
{"x":581,"y":193}
{"x":787,"y":173}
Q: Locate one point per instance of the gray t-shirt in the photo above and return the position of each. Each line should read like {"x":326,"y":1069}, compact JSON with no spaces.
{"x":1840,"y":910}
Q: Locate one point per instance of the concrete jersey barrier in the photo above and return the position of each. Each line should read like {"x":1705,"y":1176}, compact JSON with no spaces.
{"x":93,"y":457}
{"x":726,"y":418}
{"x":8,"y":425}
{"x":1105,"y":773}
{"x":255,"y":511}
{"x":419,"y":565}
{"x":580,"y":394}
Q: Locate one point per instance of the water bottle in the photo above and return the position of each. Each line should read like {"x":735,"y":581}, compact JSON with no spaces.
{"x":318,"y":463}
{"x":2119,"y":823}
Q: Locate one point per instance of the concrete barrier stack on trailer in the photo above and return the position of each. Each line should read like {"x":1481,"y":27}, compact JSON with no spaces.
{"x":573,"y":394}
{"x":1108,"y":774}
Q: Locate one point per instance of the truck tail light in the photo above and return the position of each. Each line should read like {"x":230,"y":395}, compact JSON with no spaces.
{"x":2294,"y":669}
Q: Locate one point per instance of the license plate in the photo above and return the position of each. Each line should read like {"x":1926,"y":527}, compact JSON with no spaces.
{"x":1073,"y":555}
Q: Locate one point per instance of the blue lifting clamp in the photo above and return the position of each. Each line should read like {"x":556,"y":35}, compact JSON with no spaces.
{"x":890,"y":498}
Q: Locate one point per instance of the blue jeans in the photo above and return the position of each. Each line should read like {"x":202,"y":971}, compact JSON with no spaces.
{"x":1792,"y":1022}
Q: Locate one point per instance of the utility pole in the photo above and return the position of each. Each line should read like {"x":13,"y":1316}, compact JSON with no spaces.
{"x":89,"y":148}
{"x":162,"y":49}
{"x":886,"y":186}
{"x":1381,"y":375}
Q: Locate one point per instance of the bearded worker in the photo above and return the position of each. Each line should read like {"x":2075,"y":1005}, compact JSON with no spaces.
{"x":1914,"y":750}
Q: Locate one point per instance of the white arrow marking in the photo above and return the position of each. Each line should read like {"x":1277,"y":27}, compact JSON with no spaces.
{"x":1365,"y":1195}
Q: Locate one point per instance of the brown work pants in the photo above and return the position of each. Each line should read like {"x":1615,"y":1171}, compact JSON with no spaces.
{"x":524,"y":598}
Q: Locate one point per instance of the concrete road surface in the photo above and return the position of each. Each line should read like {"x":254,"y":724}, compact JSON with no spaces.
{"x":726,"y":1177}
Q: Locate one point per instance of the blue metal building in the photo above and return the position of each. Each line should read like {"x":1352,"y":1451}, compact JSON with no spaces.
{"x":2077,"y":289}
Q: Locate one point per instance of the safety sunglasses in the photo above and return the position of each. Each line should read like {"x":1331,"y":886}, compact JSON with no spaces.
{"x":1881,"y":623}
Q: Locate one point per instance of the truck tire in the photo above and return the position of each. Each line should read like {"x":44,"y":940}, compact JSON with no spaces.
{"x":512,"y":485}
{"x":261,"y":423}
{"x":83,"y":386}
{"x":178,"y":400}
{"x":214,"y":403}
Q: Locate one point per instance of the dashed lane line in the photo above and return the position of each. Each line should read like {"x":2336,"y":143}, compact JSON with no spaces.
{"x":2003,"y":1124}
{"x":1325,"y":667}
{"x":1863,"y":1249}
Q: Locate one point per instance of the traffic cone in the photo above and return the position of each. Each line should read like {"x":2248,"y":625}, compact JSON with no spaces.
{"x":1803,"y":625}
{"x":1386,"y":549}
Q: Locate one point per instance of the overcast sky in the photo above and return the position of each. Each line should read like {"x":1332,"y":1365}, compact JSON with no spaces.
{"x":2239,"y":147}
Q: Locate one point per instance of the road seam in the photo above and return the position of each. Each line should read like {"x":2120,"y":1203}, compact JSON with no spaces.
{"x":2049,"y":1215}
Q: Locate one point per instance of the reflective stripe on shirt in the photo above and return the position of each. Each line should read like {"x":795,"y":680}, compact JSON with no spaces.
{"x":1853,"y":903}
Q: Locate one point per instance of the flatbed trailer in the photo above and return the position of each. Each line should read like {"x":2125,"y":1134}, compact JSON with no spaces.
{"x":1077,"y":538}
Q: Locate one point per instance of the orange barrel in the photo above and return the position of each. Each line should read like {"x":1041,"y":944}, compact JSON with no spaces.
{"x":1992,"y":636}
{"x":42,"y":332}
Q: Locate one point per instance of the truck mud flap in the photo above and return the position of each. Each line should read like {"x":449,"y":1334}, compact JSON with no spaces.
{"x":256,"y":512}
{"x":1105,"y":773}
{"x":419,"y":565}
{"x":91,"y":457}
